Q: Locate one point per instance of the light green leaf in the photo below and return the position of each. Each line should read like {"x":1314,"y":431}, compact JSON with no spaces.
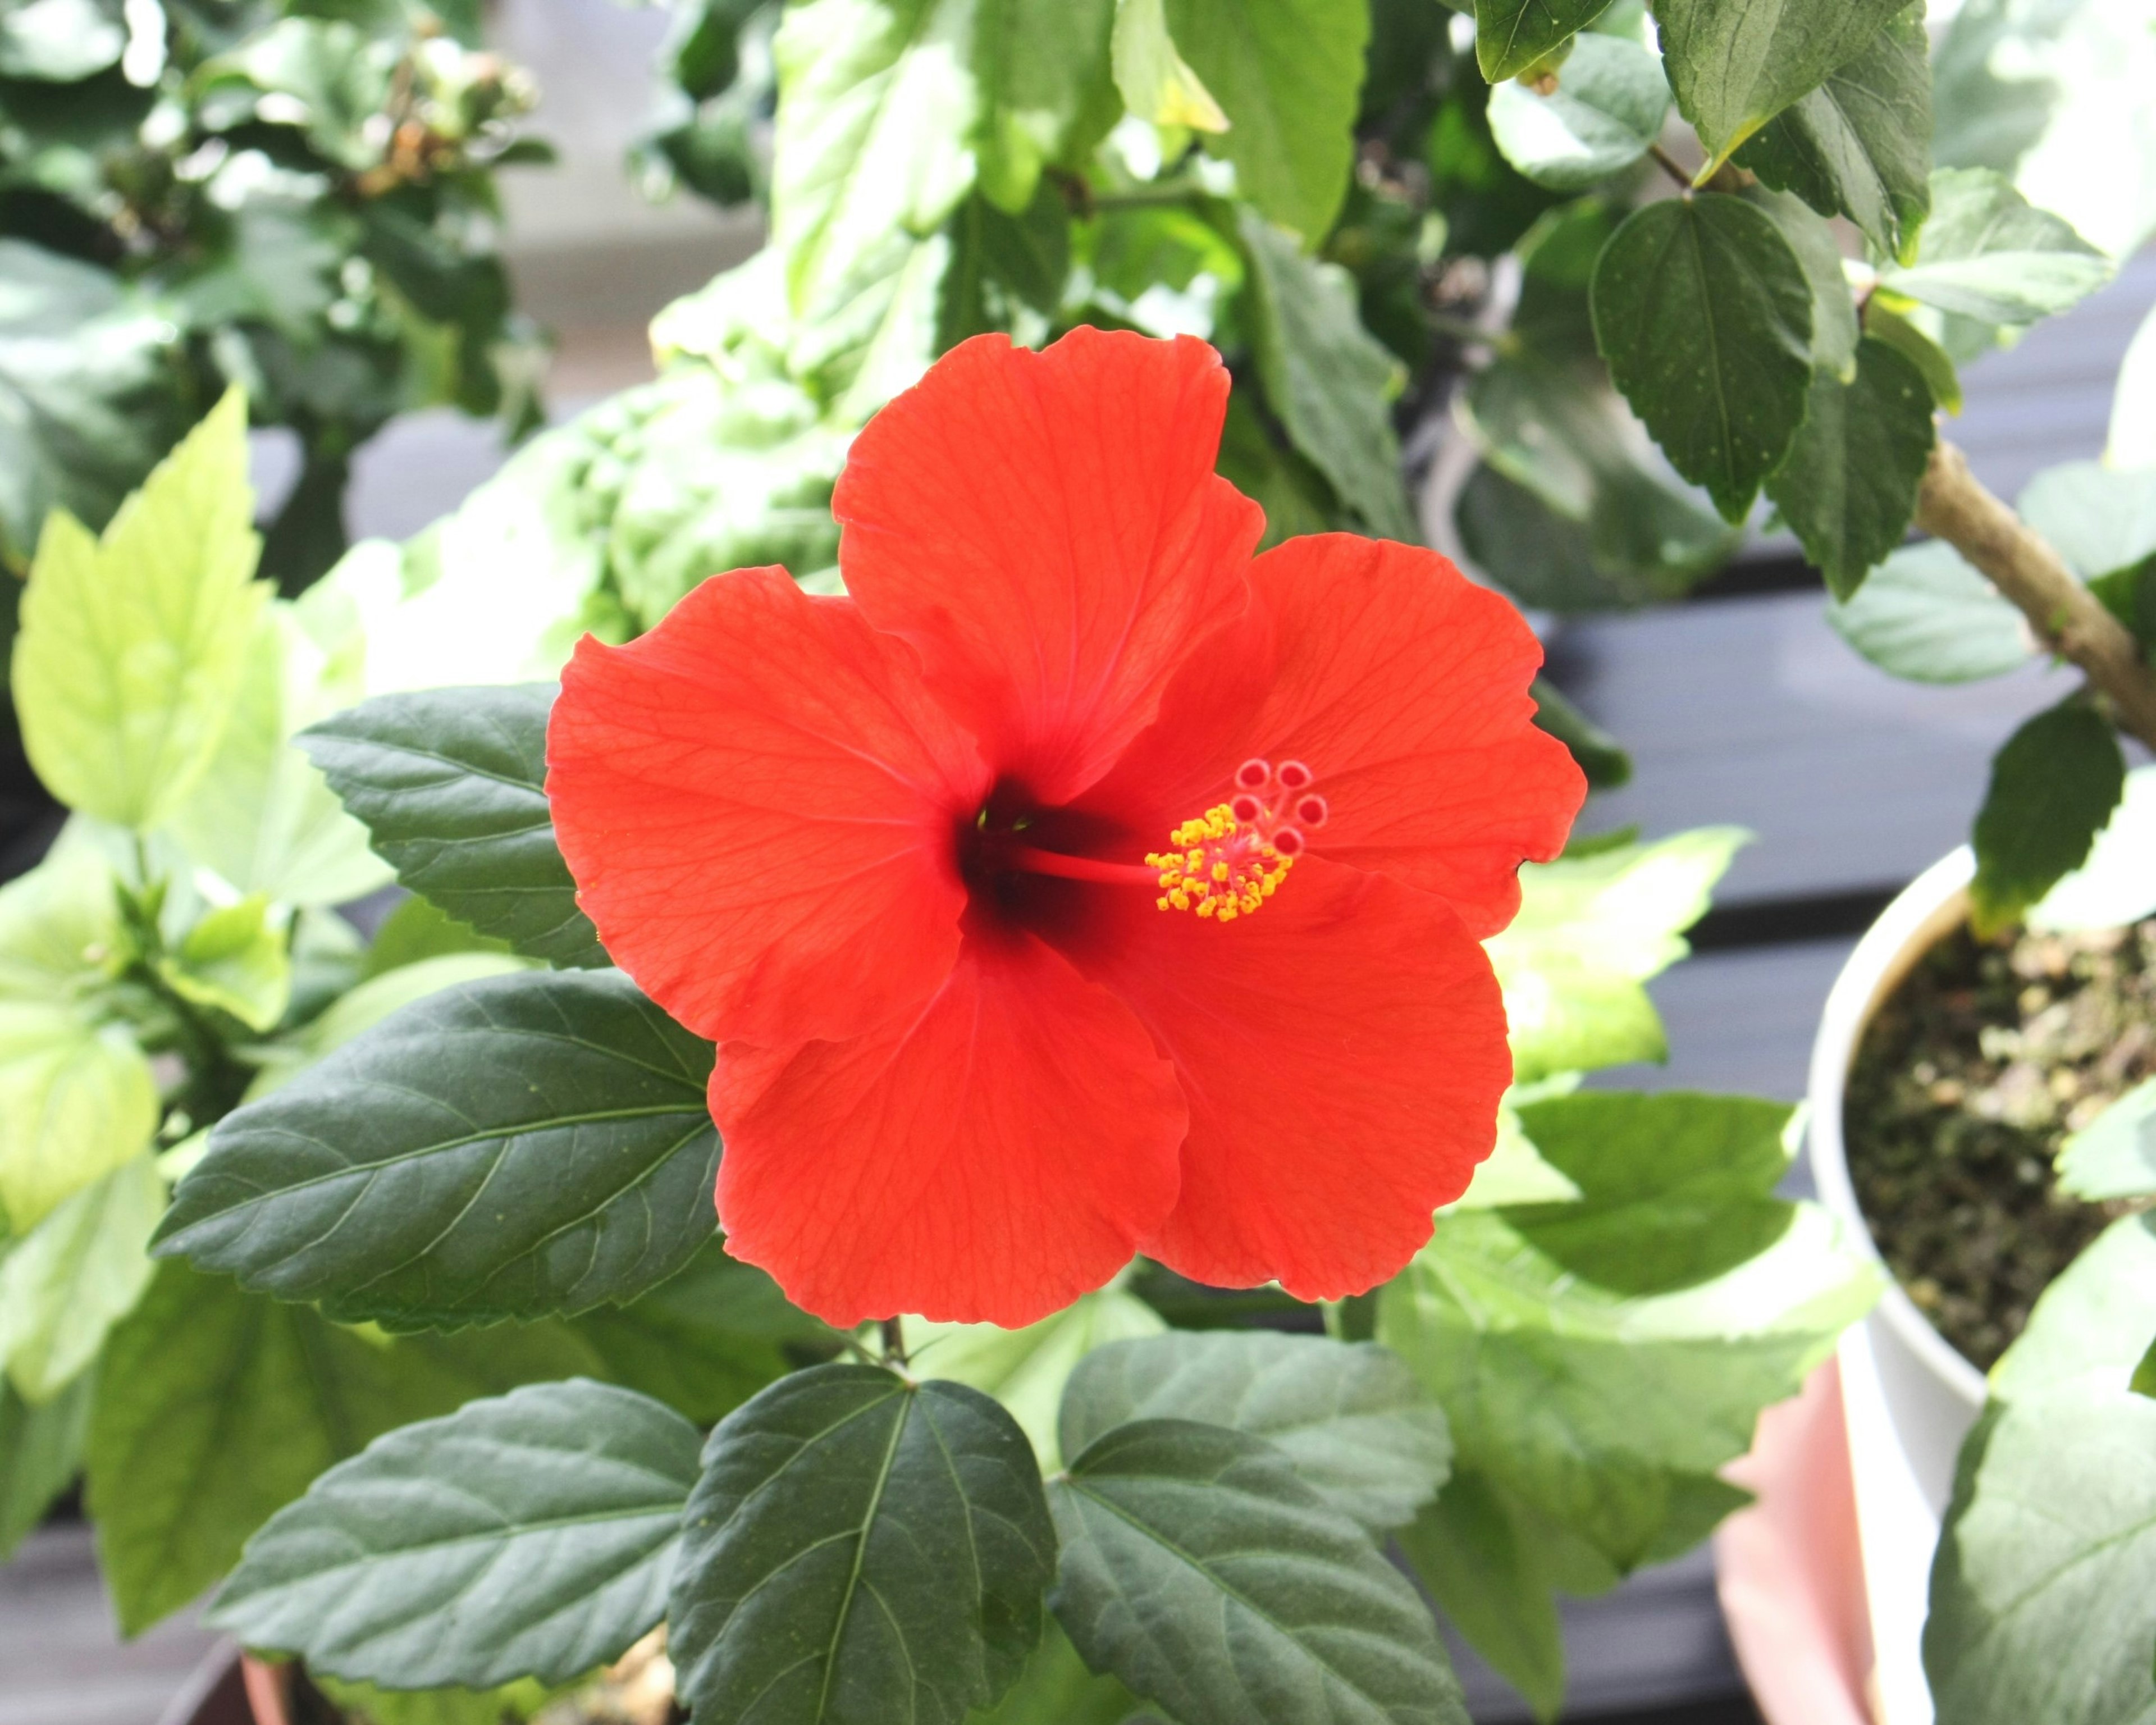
{"x":234,"y":960}
{"x":2116,"y":886}
{"x":2053,"y":787}
{"x":1056,"y":1689}
{"x":1349,"y":1418}
{"x":1287,"y":75}
{"x":60,"y":41}
{"x":1206,"y":1575}
{"x":215,"y":1407}
{"x":1590,"y":931}
{"x":89,"y":392}
{"x":451,"y":784}
{"x":130,"y":647}
{"x":1986,"y":253}
{"x":1734,"y":67}
{"x":74,"y":1276}
{"x":2090,"y":1327}
{"x":416,"y":931}
{"x":2114,"y":1155}
{"x":1833,"y":311}
{"x":40,"y":1453}
{"x":1325,"y":375}
{"x":1049,"y":96}
{"x":1674,"y":1188}
{"x":262,"y":816}
{"x":566,"y":1099}
{"x":2132,"y":442}
{"x":1607,"y":108}
{"x":1848,"y":486}
{"x":1859,"y":145}
{"x":1026,"y":1369}
{"x":1511,"y":36}
{"x":374,"y":1706}
{"x":878,"y":104}
{"x":1704,"y":313}
{"x":1925,"y":615}
{"x":1153,"y":79}
{"x":529,"y":1535}
{"x":77,"y":1100}
{"x":2097,"y":518}
{"x":858,"y":1537}
{"x":1606,"y":1415}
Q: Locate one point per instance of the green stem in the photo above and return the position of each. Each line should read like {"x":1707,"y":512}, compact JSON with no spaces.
{"x":894,"y":1342}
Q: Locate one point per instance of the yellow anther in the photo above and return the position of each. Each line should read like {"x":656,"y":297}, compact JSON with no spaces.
{"x":1221,"y":868}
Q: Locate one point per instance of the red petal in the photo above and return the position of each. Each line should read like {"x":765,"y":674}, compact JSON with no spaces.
{"x":1047,"y":529}
{"x":991,"y":1158}
{"x":759,"y":801}
{"x":1404,"y":686}
{"x":1342,"y":1051}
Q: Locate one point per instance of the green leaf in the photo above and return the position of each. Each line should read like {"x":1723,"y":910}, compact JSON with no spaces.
{"x":262,"y":816}
{"x":1919,"y":349}
{"x":1026,"y":1369}
{"x":1056,"y":1689}
{"x":2053,"y":785}
{"x":1606,"y":1415}
{"x":90,"y":392}
{"x":1513,"y":35}
{"x":877,"y":108}
{"x":2097,"y":518}
{"x":1925,"y":615}
{"x":60,"y":41}
{"x":2114,"y":1155}
{"x":529,"y":1535}
{"x":1834,"y":312}
{"x":1005,"y":269}
{"x":512,"y":1147}
{"x":234,"y":959}
{"x":215,"y":1407}
{"x":1734,"y":67}
{"x":130,"y":647}
{"x":1350,"y":1418}
{"x":40,"y":1453}
{"x":1287,"y":75}
{"x":1590,"y":931}
{"x":1608,"y":107}
{"x":1324,"y":376}
{"x":451,"y":782}
{"x":1154,"y":80}
{"x":702,"y":1341}
{"x":1860,"y":146}
{"x":1200,"y":1570}
{"x":1704,"y":313}
{"x":2115,"y":886}
{"x":1049,"y":96}
{"x":1594,"y":751}
{"x":1848,"y":486}
{"x":1987,"y":252}
{"x":416,"y":931}
{"x":369,"y":1705}
{"x":74,"y":1276}
{"x":860,"y":1543}
{"x":1470,"y":1555}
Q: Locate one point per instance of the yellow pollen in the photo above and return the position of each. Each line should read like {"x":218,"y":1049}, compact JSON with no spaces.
{"x":1220,"y":867}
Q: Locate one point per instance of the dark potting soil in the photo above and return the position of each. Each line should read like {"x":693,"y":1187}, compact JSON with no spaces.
{"x":1968,"y":1081}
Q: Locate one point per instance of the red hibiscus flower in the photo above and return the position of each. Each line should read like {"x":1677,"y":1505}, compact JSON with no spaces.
{"x":1080,"y":885}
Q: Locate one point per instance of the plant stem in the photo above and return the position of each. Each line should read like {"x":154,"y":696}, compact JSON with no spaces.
{"x":1669,"y":166}
{"x":2069,"y":619}
{"x":894,"y":1342}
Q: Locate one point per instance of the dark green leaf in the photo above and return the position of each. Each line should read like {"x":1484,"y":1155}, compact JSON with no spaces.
{"x":1350,"y":1418}
{"x":1200,"y":1570}
{"x":1986,"y":253}
{"x":1860,"y":146}
{"x":531,"y":1534}
{"x":1608,"y":107}
{"x":1324,"y":376}
{"x":1704,"y":314}
{"x":2114,"y":1155}
{"x":703,"y":1341}
{"x":215,"y":1407}
{"x":1286,"y":72}
{"x":1003,"y":265}
{"x":1472,"y":1556}
{"x":1597,"y":753}
{"x":1833,"y":311}
{"x":2053,"y":787}
{"x":2129,"y":594}
{"x":516,"y":1147}
{"x":451,"y":782}
{"x":859,"y":1549}
{"x":1675,"y":1187}
{"x":1925,"y":615}
{"x":1254,"y":459}
{"x":1735,"y":63}
{"x":1641,"y":542}
{"x":1512,"y":35}
{"x":1848,"y":486}
{"x":40,"y":1453}
{"x":1919,"y":349}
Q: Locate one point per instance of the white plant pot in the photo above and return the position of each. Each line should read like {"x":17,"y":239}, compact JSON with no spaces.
{"x":1909,"y":1398}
